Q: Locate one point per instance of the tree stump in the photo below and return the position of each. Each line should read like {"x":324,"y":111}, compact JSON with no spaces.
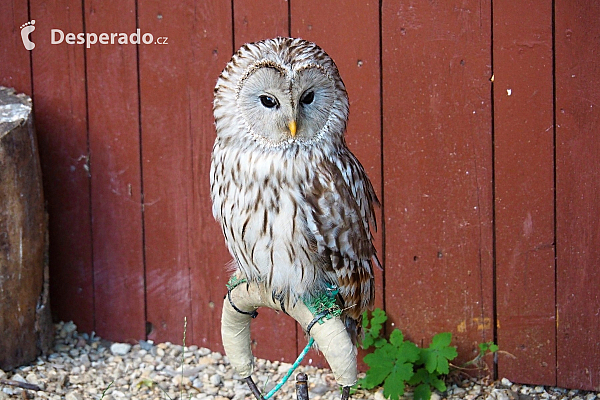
{"x":25,"y":321}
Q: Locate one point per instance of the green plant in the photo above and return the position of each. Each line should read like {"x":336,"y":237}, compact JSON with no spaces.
{"x":397,"y":362}
{"x":478,"y":362}
{"x":486,"y":347}
{"x":372,"y":329}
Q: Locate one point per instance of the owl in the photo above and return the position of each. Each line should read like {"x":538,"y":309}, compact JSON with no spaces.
{"x":294,"y":204}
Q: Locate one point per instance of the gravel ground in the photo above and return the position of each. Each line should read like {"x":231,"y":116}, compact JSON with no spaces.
{"x":84,"y":367}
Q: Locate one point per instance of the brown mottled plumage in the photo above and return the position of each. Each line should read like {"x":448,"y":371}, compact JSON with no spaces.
{"x":294,"y":203}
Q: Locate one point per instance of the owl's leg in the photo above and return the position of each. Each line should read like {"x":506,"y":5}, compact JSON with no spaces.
{"x":345,"y":392}
{"x":235,"y":332}
{"x":330,"y":334}
{"x":253,"y":388}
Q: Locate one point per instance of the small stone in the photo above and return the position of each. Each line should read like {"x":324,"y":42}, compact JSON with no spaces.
{"x":216,"y":356}
{"x":68,"y":327}
{"x":506,"y":382}
{"x":4,"y":396}
{"x":197,"y":383}
{"x":215,"y":379}
{"x":32,"y":378}
{"x":160,"y":352}
{"x":146,"y":345}
{"x":73,"y":396}
{"x":500,"y":394}
{"x":193,"y":371}
{"x":458,"y":391}
{"x":283,"y":368}
{"x":85,"y":360}
{"x":18,"y":378}
{"x":177,"y":380}
{"x":435,"y":396}
{"x":589,"y":396}
{"x":203,"y":351}
{"x":120,"y":349}
{"x":538,"y":389}
{"x":379,"y":395}
{"x":2,"y":374}
{"x":320,"y":389}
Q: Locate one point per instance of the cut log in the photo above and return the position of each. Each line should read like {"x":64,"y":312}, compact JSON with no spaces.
{"x":25,"y":322}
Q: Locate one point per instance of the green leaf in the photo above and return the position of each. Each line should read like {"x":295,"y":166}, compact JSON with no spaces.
{"x":397,"y":338}
{"x":379,"y":342}
{"x":493,"y":348}
{"x":367,"y":342}
{"x":407,"y":351}
{"x":437,"y":383}
{"x":379,"y":317}
{"x":395,"y":382}
{"x":365,"y":320}
{"x":380,"y":362}
{"x":372,"y":333}
{"x":421,"y":376}
{"x":436,"y":356}
{"x":441,"y":340}
{"x":422,"y":392}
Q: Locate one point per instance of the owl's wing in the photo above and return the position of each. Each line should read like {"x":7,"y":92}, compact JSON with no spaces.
{"x":339,"y":222}
{"x":362,"y":190}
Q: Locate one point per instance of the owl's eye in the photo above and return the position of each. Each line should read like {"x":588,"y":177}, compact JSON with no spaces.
{"x":308,"y":98}
{"x":269,"y":101}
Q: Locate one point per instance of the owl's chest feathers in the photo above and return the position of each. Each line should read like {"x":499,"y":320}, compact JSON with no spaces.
{"x":259,"y":201}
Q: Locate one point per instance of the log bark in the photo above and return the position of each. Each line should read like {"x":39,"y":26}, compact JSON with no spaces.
{"x":25,"y":321}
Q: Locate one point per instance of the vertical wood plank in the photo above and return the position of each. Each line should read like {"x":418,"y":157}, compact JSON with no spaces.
{"x":257,"y":21}
{"x":437,"y":149}
{"x":350,"y":35}
{"x":253,"y":22}
{"x":61,"y":123}
{"x":184,"y":253}
{"x":15,"y":68}
{"x":115,"y":172}
{"x":524,"y":184}
{"x":577,"y":193}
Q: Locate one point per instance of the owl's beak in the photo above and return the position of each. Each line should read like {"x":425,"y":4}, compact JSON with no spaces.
{"x":292,"y":126}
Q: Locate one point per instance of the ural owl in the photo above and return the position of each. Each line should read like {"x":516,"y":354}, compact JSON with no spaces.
{"x":294,"y":203}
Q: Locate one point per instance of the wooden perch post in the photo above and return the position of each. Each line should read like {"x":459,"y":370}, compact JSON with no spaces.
{"x":25,"y":322}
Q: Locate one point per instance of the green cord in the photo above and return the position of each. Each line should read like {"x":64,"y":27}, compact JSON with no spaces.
{"x":289,"y":373}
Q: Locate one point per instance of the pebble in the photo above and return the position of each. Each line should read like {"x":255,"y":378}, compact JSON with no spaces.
{"x":506,"y":382}
{"x":83,"y":367}
{"x":120,"y":349}
{"x":215,"y":380}
{"x":73,"y":396}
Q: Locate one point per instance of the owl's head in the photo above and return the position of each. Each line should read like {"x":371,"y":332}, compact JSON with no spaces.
{"x":280,"y":93}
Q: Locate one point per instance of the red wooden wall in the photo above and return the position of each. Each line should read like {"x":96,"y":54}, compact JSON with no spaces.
{"x":477,"y":122}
